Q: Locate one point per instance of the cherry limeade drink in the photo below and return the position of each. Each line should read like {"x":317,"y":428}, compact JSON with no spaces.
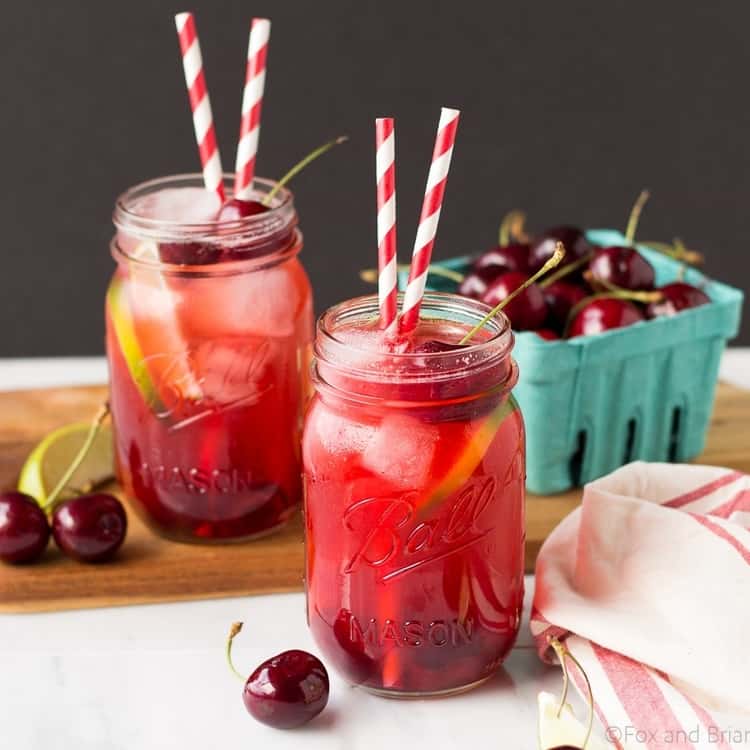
{"x":414,"y":484}
{"x":209,"y":327}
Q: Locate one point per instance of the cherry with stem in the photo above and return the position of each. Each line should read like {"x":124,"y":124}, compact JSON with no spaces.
{"x":553,"y":261}
{"x":284,"y":691}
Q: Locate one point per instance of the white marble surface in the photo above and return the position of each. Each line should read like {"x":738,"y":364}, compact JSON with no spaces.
{"x":154,"y":677}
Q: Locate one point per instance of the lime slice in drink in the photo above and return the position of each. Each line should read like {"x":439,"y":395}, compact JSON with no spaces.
{"x":472,"y":453}
{"x":152,"y":343}
{"x":122,"y":322}
{"x":50,"y":459}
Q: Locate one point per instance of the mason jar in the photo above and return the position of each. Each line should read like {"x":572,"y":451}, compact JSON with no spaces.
{"x":414,"y":498}
{"x":209,"y":329}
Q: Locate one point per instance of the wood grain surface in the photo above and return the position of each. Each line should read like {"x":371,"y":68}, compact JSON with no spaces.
{"x":150,"y":569}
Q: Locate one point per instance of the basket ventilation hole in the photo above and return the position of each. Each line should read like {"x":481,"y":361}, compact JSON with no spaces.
{"x":674,"y":434}
{"x":629,"y":441}
{"x":576,"y":460}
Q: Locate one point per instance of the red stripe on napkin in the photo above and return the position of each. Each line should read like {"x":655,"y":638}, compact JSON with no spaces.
{"x":642,"y":699}
{"x":706,"y":489}
{"x":722,"y":533}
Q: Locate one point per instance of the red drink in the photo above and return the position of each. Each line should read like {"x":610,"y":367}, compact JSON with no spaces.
{"x":414,"y":499}
{"x":209,"y":326}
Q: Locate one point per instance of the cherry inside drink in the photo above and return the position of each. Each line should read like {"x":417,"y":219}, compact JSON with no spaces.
{"x":413,"y":457}
{"x":209,"y":329}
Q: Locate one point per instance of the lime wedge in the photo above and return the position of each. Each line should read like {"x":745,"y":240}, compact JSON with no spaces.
{"x":152,"y":344}
{"x":473,"y":452}
{"x":122,"y":322}
{"x":50,"y":459}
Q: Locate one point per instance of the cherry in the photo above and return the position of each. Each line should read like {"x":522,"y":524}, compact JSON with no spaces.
{"x":547,"y":333}
{"x":475,"y":283}
{"x":561,"y":297}
{"x":90,"y":528}
{"x":432,"y":346}
{"x":603,"y":314}
{"x":622,"y":267}
{"x":287,"y":690}
{"x":677,"y":296}
{"x":511,"y":257}
{"x":189,"y":253}
{"x":574,"y":240}
{"x":24,"y":531}
{"x":528,"y":310}
{"x":236,"y":209}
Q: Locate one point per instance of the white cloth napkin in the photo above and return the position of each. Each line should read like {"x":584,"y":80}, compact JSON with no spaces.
{"x":648,"y":583}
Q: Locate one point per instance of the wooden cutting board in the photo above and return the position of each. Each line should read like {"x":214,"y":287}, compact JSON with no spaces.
{"x":149,"y":569}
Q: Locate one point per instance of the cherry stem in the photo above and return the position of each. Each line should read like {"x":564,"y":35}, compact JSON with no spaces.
{"x":553,"y":261}
{"x":101,"y":415}
{"x":512,"y":227}
{"x":677,"y":250}
{"x":300,"y":165}
{"x":370,"y":275}
{"x":635,"y":216}
{"x":236,"y":628}
{"x":565,"y":270}
{"x":563,"y":653}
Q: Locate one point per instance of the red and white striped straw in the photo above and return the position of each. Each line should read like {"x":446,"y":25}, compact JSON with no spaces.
{"x":385,"y":174}
{"x":252,"y":101}
{"x":428,"y":220}
{"x":200,"y":104}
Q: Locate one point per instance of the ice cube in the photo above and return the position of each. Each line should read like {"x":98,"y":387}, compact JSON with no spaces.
{"x":341,"y":434}
{"x":188,"y":205}
{"x":332,"y":441}
{"x":264,"y":302}
{"x":402,"y":450}
{"x":234,"y":371}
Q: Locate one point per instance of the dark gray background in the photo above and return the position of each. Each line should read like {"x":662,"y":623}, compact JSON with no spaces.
{"x":569,"y":108}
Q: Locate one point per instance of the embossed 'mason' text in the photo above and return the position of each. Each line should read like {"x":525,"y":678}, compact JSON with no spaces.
{"x":193,"y":480}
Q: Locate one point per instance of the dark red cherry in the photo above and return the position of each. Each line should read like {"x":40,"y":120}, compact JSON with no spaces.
{"x":432,"y":346}
{"x":677,"y":296}
{"x":528,"y":310}
{"x":236,"y":209}
{"x":561,"y":297}
{"x":574,"y":240}
{"x":189,"y":253}
{"x":475,"y":282}
{"x":512,"y":257}
{"x":623,"y":267}
{"x":90,"y":528}
{"x":603,"y":314}
{"x":547,"y":334}
{"x":287,"y":690}
{"x":24,"y":531}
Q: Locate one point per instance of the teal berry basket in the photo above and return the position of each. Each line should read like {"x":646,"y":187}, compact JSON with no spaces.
{"x":644,"y":392}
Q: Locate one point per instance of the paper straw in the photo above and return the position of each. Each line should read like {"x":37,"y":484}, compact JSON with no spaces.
{"x":385,"y":175}
{"x":252,"y":101}
{"x":203,"y":121}
{"x":428,"y":220}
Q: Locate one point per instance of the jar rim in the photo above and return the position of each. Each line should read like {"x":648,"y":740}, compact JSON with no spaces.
{"x":336,"y":361}
{"x":265,"y":238}
{"x":370,"y":303}
{"x":127,"y":219}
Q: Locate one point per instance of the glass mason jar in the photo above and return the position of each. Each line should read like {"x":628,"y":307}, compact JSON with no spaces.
{"x":414,"y":471}
{"x":209,"y":332}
